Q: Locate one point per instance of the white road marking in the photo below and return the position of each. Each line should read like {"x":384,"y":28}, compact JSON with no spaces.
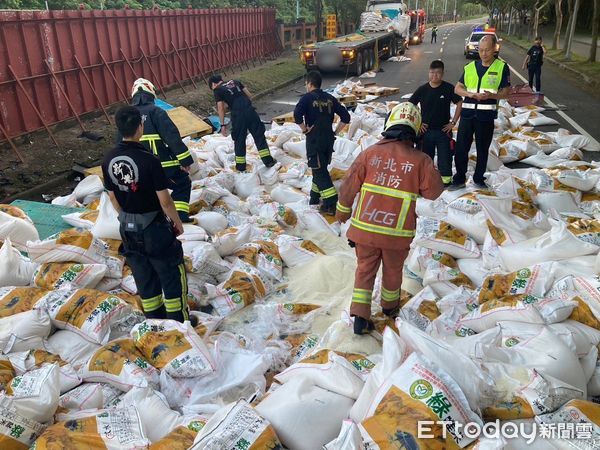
{"x":284,"y":102}
{"x":442,"y":50}
{"x":428,"y":51}
{"x":593,"y":142}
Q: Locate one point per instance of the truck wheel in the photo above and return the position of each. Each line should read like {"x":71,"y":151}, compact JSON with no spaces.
{"x":370,"y":59}
{"x":358,"y":70}
{"x":392,"y":51}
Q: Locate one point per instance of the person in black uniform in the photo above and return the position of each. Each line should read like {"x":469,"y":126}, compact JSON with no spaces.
{"x":244,"y":119}
{"x":149,"y":223}
{"x":435,"y":98}
{"x":434,"y":32}
{"x":533,"y":62}
{"x":314,"y":113}
{"x":162,"y":138}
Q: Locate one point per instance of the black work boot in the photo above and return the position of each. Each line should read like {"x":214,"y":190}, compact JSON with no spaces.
{"x":392,"y":312}
{"x":240,"y":167}
{"x":182,"y":316}
{"x":328,"y":209}
{"x":160,"y":313}
{"x":270,"y":162}
{"x":193,"y":321}
{"x":362,"y":325}
{"x":314,"y":199}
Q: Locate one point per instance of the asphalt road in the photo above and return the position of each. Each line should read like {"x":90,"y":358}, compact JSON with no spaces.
{"x":580,"y":109}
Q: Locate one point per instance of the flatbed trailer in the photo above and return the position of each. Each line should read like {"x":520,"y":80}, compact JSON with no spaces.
{"x":355,"y":53}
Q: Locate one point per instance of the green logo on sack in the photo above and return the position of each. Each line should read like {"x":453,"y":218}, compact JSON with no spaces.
{"x":511,"y":342}
{"x":524,"y":273}
{"x":196,"y":425}
{"x":236,"y":298}
{"x":362,"y":364}
{"x":421,"y":389}
{"x":463,"y":332}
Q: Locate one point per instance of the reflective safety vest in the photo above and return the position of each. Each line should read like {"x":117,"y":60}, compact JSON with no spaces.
{"x":161,"y":136}
{"x":383,"y":210}
{"x":490,"y":82}
{"x":380,"y":190}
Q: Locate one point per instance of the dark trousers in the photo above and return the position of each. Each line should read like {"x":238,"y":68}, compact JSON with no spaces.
{"x":433,"y":139}
{"x":181,"y":188}
{"x":155,"y":257}
{"x":322,"y":186}
{"x":243,"y":122}
{"x":483,"y":132}
{"x":535,"y":70}
{"x":434,"y":37}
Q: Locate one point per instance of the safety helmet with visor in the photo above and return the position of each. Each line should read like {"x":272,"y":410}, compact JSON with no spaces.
{"x":404,"y":114}
{"x":144,"y":85}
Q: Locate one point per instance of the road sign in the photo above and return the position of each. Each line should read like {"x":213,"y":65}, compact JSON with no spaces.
{"x":331,"y":26}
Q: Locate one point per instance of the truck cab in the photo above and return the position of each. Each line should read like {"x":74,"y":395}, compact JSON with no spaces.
{"x":418,"y":20}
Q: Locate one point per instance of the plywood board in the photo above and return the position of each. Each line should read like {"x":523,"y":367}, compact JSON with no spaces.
{"x":381,"y":91}
{"x":188,"y":123}
{"x":93,"y":171}
{"x":284,"y":118}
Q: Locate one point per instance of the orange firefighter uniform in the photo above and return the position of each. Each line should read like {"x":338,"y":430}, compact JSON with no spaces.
{"x":388,"y":178}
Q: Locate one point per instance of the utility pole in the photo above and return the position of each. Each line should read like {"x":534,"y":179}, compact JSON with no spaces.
{"x":445,"y":7}
{"x":454,"y":15}
{"x":297,"y":10}
{"x":318,"y":20}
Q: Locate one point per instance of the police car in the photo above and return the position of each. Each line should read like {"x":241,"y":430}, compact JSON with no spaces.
{"x":472,"y":42}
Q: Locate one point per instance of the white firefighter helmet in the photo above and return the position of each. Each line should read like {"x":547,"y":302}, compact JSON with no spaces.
{"x":405,"y":113}
{"x":144,"y":85}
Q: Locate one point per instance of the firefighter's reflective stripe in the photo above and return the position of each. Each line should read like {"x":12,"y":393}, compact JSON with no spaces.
{"x":328,"y":193}
{"x":171,"y":163}
{"x":179,"y":303}
{"x":362,"y":296}
{"x":343,"y":209}
{"x":182,"y":206}
{"x":184,"y":155}
{"x":240,"y":160}
{"x":152,"y":304}
{"x":314,"y":188}
{"x":480,"y":106}
{"x":447,"y":180}
{"x":264,"y":153}
{"x":151,"y":139}
{"x":381,"y":226}
{"x":389,"y":296}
